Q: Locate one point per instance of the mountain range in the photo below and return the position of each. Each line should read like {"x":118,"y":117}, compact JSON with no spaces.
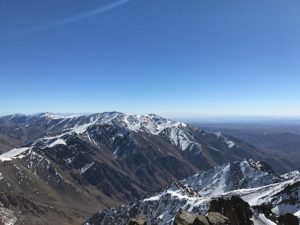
{"x":59,"y":169}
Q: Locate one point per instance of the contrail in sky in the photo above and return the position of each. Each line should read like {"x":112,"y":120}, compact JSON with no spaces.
{"x":69,"y":20}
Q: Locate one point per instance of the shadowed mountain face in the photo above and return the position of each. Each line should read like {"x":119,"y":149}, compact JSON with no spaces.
{"x":77,"y":164}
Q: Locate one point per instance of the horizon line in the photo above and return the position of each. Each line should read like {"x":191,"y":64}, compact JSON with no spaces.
{"x":172,"y":115}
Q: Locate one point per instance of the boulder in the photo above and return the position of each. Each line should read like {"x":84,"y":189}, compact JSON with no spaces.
{"x":288,"y":219}
{"x":234,"y":208}
{"x":184,"y":218}
{"x":138,"y":221}
{"x":212,"y":218}
{"x":216,"y":218}
{"x":201,"y":220}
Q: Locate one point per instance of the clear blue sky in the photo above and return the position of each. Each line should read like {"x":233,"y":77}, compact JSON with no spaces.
{"x":172,"y":57}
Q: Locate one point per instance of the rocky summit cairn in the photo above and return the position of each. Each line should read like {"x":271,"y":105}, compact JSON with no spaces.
{"x":237,"y":211}
{"x":212,"y":218}
{"x":138,"y":221}
{"x":288,"y":219}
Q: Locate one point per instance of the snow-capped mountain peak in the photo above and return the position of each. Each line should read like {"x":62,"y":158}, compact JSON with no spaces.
{"x":232,"y":176}
{"x":50,"y":128}
{"x":150,"y":123}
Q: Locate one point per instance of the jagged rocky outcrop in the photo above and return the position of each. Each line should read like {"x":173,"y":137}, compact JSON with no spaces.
{"x":234,"y":208}
{"x":138,"y":221}
{"x":288,"y":219}
{"x":212,"y":218}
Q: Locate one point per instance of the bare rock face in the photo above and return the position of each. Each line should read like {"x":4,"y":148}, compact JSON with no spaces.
{"x":288,"y":219}
{"x":138,"y":221}
{"x":184,"y":218}
{"x":201,"y":220}
{"x":237,"y":211}
{"x":212,"y":218}
{"x":216,"y":218}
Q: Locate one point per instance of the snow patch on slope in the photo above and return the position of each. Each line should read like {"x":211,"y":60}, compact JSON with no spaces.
{"x":7,"y":216}
{"x":229,"y":143}
{"x":50,"y":142}
{"x":179,"y":138}
{"x":291,"y":175}
{"x":57,"y":142}
{"x":212,"y":182}
{"x":14,"y":153}
{"x":86,"y":167}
